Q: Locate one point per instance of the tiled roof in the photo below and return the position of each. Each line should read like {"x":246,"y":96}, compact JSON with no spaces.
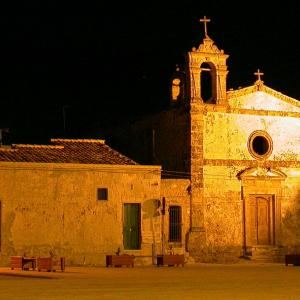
{"x":83,"y":151}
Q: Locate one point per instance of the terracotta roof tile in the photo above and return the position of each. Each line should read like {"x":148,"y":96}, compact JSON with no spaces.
{"x":84,"y":151}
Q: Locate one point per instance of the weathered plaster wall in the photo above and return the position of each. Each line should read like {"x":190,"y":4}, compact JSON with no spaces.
{"x":290,"y":210}
{"x":226,"y":135}
{"x":223,"y":213}
{"x":54,"y":207}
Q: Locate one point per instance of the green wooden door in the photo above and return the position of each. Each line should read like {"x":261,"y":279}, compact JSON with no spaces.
{"x":131,"y":232}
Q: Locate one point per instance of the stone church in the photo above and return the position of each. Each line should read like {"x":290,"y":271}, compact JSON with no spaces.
{"x":239,"y":148}
{"x":215,"y":177}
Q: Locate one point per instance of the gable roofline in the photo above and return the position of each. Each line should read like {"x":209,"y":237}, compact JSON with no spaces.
{"x":17,"y":146}
{"x":77,"y":141}
{"x":260,"y":87}
{"x":81,"y":151}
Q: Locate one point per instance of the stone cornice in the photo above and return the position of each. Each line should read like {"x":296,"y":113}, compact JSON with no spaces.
{"x":4,"y":165}
{"x":252,"y":163}
{"x":196,"y":108}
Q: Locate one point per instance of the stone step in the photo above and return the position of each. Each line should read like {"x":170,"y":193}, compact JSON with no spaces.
{"x":266,"y":257}
{"x":267,"y":253}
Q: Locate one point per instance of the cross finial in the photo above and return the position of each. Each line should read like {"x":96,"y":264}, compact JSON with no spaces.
{"x":258,"y":74}
{"x":205,"y":20}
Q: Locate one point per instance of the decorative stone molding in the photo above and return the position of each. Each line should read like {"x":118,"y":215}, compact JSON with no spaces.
{"x":208,"y":46}
{"x":252,"y":163}
{"x":260,"y":172}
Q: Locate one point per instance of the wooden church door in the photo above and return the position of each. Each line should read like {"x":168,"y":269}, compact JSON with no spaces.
{"x":259,"y":220}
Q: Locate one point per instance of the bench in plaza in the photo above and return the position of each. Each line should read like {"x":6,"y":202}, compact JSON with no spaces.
{"x":51,"y":264}
{"x":293,"y":259}
{"x":22,"y":262}
{"x":119,"y":260}
{"x":170,"y":260}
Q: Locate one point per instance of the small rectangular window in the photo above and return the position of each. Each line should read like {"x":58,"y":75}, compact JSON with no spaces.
{"x":102,"y":194}
{"x":175,"y":224}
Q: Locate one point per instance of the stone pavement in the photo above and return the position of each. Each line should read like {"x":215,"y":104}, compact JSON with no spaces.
{"x":244,"y":280}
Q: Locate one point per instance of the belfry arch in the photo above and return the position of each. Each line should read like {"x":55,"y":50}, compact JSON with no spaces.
{"x":207,"y":83}
{"x":207,"y":61}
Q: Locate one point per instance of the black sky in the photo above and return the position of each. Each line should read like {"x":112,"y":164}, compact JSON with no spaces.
{"x":99,"y":62}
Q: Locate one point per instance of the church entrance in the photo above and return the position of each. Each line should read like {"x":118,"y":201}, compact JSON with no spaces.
{"x":260,"y":220}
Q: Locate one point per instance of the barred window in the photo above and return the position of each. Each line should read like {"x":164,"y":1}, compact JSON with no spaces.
{"x":174,"y":224}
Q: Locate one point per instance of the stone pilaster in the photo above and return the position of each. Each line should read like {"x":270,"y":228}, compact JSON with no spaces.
{"x":196,"y":241}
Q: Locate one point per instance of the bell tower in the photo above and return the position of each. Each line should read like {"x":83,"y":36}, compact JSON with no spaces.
{"x":208,"y":71}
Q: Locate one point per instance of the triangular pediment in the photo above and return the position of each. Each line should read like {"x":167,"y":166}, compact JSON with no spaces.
{"x":259,"y":172}
{"x":261,"y":97}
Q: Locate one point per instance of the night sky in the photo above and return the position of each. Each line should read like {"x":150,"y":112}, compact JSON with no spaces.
{"x":95,"y":64}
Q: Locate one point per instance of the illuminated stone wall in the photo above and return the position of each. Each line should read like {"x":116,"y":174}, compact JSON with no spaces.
{"x":290,"y":210}
{"x":226,"y":136}
{"x":226,"y":155}
{"x":54,"y":207}
{"x":222,"y":213}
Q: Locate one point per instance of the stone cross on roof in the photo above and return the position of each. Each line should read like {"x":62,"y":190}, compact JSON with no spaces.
{"x":205,"y":20}
{"x":258,"y":74}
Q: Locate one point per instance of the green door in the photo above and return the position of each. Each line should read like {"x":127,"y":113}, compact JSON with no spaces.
{"x":131,"y":233}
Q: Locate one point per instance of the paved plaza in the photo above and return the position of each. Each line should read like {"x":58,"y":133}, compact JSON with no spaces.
{"x":243,"y":280}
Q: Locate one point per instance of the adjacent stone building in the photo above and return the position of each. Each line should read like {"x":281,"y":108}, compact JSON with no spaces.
{"x":79,"y":199}
{"x":239,"y":148}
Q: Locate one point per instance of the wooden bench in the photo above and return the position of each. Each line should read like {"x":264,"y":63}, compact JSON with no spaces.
{"x":22,"y":262}
{"x":51,"y":264}
{"x":292,"y":259}
{"x":170,"y":260}
{"x":119,"y":260}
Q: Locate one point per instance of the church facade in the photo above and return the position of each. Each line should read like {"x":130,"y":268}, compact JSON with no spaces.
{"x":239,"y":148}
